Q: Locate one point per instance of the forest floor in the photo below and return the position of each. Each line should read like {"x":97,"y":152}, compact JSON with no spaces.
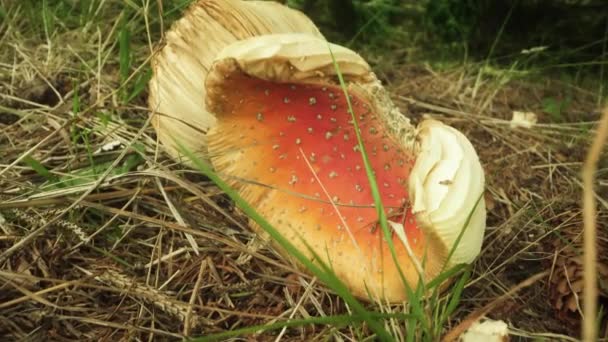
{"x":104,"y":237}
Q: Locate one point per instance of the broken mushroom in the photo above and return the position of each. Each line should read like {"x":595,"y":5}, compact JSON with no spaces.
{"x":252,"y":88}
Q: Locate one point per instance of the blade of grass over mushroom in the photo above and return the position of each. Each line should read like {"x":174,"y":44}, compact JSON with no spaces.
{"x":324,"y":273}
{"x":413,"y":300}
{"x":337,"y":320}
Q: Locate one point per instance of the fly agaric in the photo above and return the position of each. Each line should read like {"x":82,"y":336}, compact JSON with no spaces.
{"x":251,"y":87}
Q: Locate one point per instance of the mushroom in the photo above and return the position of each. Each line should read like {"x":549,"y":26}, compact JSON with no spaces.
{"x":252,"y":88}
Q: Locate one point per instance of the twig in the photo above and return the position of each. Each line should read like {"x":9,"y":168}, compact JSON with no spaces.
{"x":473,"y":317}
{"x":590,"y":249}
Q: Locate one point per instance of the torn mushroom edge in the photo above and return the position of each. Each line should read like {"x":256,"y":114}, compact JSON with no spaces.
{"x":472,"y":217}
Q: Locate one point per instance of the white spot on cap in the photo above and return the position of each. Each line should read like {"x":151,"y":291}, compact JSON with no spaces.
{"x":293,"y":180}
{"x":333,"y":174}
{"x":291,"y":118}
{"x":312,"y":101}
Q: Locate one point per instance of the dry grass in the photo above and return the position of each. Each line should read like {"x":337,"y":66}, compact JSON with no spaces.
{"x":534,"y":190}
{"x":589,"y":214}
{"x":137,"y":247}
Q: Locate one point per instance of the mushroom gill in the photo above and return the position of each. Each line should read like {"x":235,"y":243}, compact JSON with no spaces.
{"x":261,"y":101}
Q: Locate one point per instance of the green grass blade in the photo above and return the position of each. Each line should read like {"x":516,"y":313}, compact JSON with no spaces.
{"x":456,"y":293}
{"x":336,"y":321}
{"x":445,"y":275}
{"x":141,"y":82}
{"x":76,"y":99}
{"x":47,"y":19}
{"x":413,"y":299}
{"x":112,"y":256}
{"x":39,"y":168}
{"x":124,"y":54}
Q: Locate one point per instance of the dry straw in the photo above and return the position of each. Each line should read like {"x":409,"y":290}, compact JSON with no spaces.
{"x":589,"y":217}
